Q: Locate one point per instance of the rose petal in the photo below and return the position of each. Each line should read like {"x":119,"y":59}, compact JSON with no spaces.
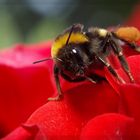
{"x":134,"y":63}
{"x":22,"y":55}
{"x":130,"y":101}
{"x":133,"y":19}
{"x":64,"y":119}
{"x":108,"y":127}
{"x":129,"y":93}
{"x":24,"y":86}
{"x":23,"y":133}
{"x":128,"y":51}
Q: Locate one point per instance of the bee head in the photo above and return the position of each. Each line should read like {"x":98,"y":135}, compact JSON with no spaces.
{"x":72,"y":35}
{"x":68,"y":47}
{"x":74,"y":59}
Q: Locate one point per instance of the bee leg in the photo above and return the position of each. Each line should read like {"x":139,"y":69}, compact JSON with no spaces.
{"x":56,"y":76}
{"x":133,"y":45}
{"x":118,"y":51}
{"x":110,"y":68}
{"x":105,"y":42}
{"x":94,"y":78}
{"x":91,"y":79}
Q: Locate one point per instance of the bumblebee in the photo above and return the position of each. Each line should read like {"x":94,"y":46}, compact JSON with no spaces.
{"x":76,"y":52}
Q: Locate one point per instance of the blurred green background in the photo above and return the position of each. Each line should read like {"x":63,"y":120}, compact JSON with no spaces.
{"x":30,"y":21}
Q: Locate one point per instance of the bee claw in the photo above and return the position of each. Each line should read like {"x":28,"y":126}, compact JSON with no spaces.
{"x":57,"y":98}
{"x":91,"y":80}
{"x":131,"y":78}
{"x":121,"y":80}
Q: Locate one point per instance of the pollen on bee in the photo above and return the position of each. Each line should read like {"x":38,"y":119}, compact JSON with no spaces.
{"x":130,"y":34}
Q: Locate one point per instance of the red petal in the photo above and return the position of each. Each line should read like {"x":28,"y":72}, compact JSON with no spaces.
{"x":134,"y":19}
{"x":129,"y":93}
{"x":24,"y":86}
{"x":130,"y":102}
{"x":21,"y":55}
{"x":108,"y":127}
{"x":64,"y":119}
{"x":23,"y":133}
{"x":134,"y":63}
{"x":134,"y":66}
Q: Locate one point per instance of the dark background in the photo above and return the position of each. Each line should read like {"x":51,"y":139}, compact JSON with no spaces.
{"x":38,"y":20}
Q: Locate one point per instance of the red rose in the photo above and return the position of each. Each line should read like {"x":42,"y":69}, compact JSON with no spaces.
{"x":129,"y":93}
{"x":106,"y":110}
{"x":108,"y":126}
{"x":23,"y":86}
{"x":85,"y":106}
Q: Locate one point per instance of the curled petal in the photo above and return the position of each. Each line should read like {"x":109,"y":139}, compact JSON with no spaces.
{"x":130,"y":102}
{"x":64,"y":119}
{"x":24,"y":86}
{"x":23,"y":132}
{"x":129,"y":92}
{"x":108,"y":127}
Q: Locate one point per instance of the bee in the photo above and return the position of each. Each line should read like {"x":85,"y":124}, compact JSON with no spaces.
{"x":75,"y":52}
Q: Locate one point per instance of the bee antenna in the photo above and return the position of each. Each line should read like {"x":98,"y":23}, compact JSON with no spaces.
{"x":46,"y":59}
{"x":70,"y":34}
